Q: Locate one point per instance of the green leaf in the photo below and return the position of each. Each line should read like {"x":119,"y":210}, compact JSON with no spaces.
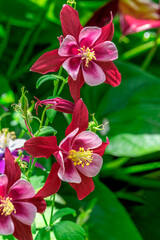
{"x":67,"y":230}
{"x":45,"y":131}
{"x":43,"y":234}
{"x":133,"y":145}
{"x":63,"y":212}
{"x":109,"y":218}
{"x":51,"y":113}
{"x":47,"y":77}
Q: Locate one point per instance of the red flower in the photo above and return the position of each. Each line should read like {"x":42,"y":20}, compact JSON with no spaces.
{"x":18,"y":202}
{"x":58,"y":104}
{"x":78,"y":155}
{"x":135,"y":15}
{"x":85,"y":53}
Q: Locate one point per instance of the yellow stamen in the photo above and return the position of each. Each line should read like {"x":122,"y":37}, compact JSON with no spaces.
{"x":87,"y":54}
{"x":5,"y":137}
{"x":6,"y":206}
{"x":81,"y":157}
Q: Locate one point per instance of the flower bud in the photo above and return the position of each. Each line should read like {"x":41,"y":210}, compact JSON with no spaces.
{"x":58,"y":104}
{"x":23,"y":102}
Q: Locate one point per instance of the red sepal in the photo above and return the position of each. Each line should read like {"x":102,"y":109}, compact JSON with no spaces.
{"x":12,"y":169}
{"x":22,"y":231}
{"x":84,"y":188}
{"x":79,"y":118}
{"x":52,"y":183}
{"x":41,"y":146}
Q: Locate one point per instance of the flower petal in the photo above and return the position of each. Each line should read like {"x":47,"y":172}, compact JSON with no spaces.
{"x":68,"y":47}
{"x":79,"y":118}
{"x":3,"y":185}
{"x":101,"y":149}
{"x":21,"y":190}
{"x":66,"y":142}
{"x":93,"y":169}
{"x":85,"y":187}
{"x":39,"y":203}
{"x":105,"y":51}
{"x":12,"y":169}
{"x":25,"y":212}
{"x":131,"y":25}
{"x":93,"y":74}
{"x":103,"y":15}
{"x":69,"y":173}
{"x":87,"y":140}
{"x":6,"y":225}
{"x":52,"y":183}
{"x":107,"y":32}
{"x":48,"y":62}
{"x":89,"y":35}
{"x":41,"y":146}
{"x":72,"y":66}
{"x":2,"y":166}
{"x":22,"y":231}
{"x":17,"y":143}
{"x":113,"y":77}
{"x":75,"y":86}
{"x":70,"y":21}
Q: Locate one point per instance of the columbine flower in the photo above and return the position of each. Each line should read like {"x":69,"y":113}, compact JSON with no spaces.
{"x":8,"y":140}
{"x":58,"y":104}
{"x":78,"y":155}
{"x":85,"y":53}
{"x":135,"y":15}
{"x":18,"y":202}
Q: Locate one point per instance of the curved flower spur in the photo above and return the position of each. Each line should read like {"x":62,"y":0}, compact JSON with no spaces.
{"x":79,"y":155}
{"x":85,"y":53}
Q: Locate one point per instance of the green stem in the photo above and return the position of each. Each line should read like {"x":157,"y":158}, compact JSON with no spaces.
{"x":45,"y":221}
{"x":53,"y":204}
{"x":152,"y":52}
{"x":56,"y":82}
{"x":32,"y":167}
{"x":61,"y":88}
{"x":42,"y":119}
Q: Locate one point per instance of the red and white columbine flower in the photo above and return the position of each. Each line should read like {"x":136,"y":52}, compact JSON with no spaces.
{"x":79,"y":155}
{"x":18,"y":202}
{"x":85,"y":53}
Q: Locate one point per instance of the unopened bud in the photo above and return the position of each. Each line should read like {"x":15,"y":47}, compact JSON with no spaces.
{"x":58,"y":104}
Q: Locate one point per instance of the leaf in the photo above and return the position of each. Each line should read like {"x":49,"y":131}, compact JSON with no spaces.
{"x":63,"y":212}
{"x":133,"y":145}
{"x":43,"y":234}
{"x":109,"y":218}
{"x":67,"y":230}
{"x":51,"y":113}
{"x":47,"y":77}
{"x":45,"y":131}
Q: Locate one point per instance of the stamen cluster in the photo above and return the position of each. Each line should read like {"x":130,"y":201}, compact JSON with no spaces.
{"x":87,"y":54}
{"x":81,"y":157}
{"x":7,"y":206}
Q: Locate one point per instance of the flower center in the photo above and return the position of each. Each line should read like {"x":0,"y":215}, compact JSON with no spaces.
{"x":5,"y":137}
{"x":81,"y":157}
{"x":6,"y":206}
{"x":87,"y":54}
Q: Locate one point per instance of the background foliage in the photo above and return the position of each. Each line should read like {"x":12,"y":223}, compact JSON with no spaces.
{"x":126,"y":201}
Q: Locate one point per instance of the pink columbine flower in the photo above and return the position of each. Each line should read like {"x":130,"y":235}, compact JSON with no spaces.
{"x":135,"y":15}
{"x":18,"y":202}
{"x":79,"y":155}
{"x":58,"y":104}
{"x":85,"y":53}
